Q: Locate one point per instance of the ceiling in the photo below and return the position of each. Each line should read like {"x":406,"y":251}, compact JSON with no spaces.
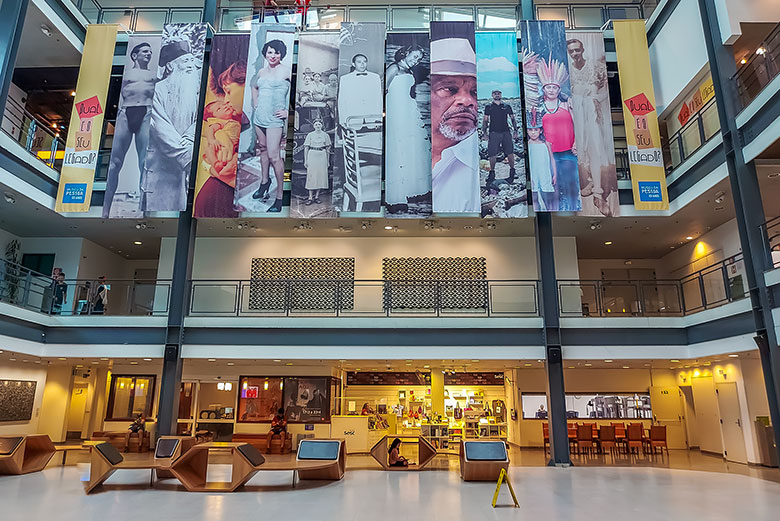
{"x":753,"y":33}
{"x":38,"y":50}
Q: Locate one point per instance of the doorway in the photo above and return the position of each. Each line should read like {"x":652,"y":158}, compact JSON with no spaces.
{"x":42,"y":263}
{"x":668,"y":411}
{"x":731,"y":422}
{"x":77,"y":411}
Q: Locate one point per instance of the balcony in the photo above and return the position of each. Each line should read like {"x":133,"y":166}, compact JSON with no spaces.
{"x":771,"y":231}
{"x":35,"y":135}
{"x":702,"y":127}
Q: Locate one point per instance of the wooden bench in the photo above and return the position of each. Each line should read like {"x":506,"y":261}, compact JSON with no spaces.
{"x":67,"y":448}
{"x":105,"y":459}
{"x":425,"y":453}
{"x":25,"y":454}
{"x":192,"y":468}
{"x":137,"y":442}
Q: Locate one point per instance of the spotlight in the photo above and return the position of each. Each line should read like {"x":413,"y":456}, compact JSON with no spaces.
{"x":366,"y":225}
{"x":9,"y":198}
{"x":140,"y":226}
{"x":47,"y":31}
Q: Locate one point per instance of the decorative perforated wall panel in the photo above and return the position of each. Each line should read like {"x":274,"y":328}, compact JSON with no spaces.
{"x":435,"y":282}
{"x":317,"y":283}
{"x":16,"y":399}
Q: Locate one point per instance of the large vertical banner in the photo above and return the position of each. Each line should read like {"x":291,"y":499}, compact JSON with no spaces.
{"x":552,"y":159}
{"x":501,"y":159}
{"x":174,"y":117}
{"x":261,"y":149}
{"x":358,"y":186}
{"x":316,"y":89}
{"x":454,"y":113}
{"x":131,"y":131}
{"x":221,"y":128}
{"x":648,"y":178}
{"x":86,"y":120}
{"x":407,"y":126}
{"x":593,"y":123}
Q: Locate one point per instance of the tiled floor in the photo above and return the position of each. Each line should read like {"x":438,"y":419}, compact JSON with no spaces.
{"x":579,"y":493}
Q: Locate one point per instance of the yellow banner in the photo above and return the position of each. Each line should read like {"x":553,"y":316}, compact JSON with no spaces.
{"x":648,"y":177}
{"x":86,"y":120}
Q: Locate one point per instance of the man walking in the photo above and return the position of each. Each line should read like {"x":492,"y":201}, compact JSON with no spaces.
{"x":495,"y":129}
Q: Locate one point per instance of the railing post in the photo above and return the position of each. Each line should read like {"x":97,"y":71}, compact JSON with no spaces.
{"x":702,"y":292}
{"x":700,"y":124}
{"x":26,"y":292}
{"x":437,"y":297}
{"x":338,"y":297}
{"x":726,"y":287}
{"x":287,"y":298}
{"x":681,"y":297}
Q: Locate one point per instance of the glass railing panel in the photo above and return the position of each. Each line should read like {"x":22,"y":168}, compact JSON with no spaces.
{"x":579,"y":298}
{"x":710,"y":121}
{"x":553,"y":13}
{"x":496,"y":18}
{"x":150,"y":20}
{"x":411,"y":17}
{"x":714,"y":287}
{"x":214,"y":298}
{"x":236,"y":19}
{"x":123,"y":17}
{"x":368,"y":299}
{"x":367,"y":15}
{"x":588,"y":17}
{"x":620,"y":299}
{"x":89,"y":9}
{"x":185,"y":16}
{"x":454,"y":14}
{"x":325,"y":19}
{"x":623,"y":13}
{"x":692,"y":295}
{"x":690,"y":140}
{"x":513,"y":298}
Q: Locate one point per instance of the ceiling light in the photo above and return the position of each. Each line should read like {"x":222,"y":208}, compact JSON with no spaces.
{"x":426,"y":367}
{"x":104,"y":359}
{"x":212,"y":359}
{"x":761,"y":51}
{"x":277,"y":360}
{"x":62,"y":358}
{"x":570,"y":367}
{"x":94,"y":362}
{"x":674,"y":361}
{"x":527,"y":365}
{"x":773,"y":175}
{"x":608,"y":361}
{"x":388,"y":227}
{"x":137,"y":243}
{"x":9,"y":198}
{"x":743,"y":61}
{"x":231,"y":363}
{"x":588,"y":365}
{"x":689,"y":238}
{"x":54,"y":125}
{"x":289,"y":363}
{"x":147,"y":359}
{"x":73,"y":94}
{"x":733,"y":356}
{"x":475,"y":360}
{"x":47,"y":31}
{"x":12,"y":359}
{"x":133,"y":363}
{"x":626,"y":367}
{"x":607,"y":243}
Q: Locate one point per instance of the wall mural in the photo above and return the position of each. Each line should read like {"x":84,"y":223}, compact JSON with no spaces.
{"x":16,"y":400}
{"x":424,"y":282}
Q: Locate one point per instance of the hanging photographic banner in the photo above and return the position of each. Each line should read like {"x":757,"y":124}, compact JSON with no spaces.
{"x":261,"y":149}
{"x":454,"y":113}
{"x":221,"y":127}
{"x":407,"y":126}
{"x":648,"y":177}
{"x":131,"y":130}
{"x":86,"y":120}
{"x":174,"y":117}
{"x":316,"y":89}
{"x":501,"y":159}
{"x":552,"y":161}
{"x":593,"y":123}
{"x":358,"y":179}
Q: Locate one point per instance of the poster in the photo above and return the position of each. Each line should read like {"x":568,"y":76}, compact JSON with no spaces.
{"x":131,"y":131}
{"x":259,"y":398}
{"x":221,"y":127}
{"x":358,"y":179}
{"x":174,"y":117}
{"x":316,"y":89}
{"x":306,"y":400}
{"x":648,"y":177}
{"x":261,"y":149}
{"x":407,"y":126}
{"x":501,"y":159}
{"x":552,"y":159}
{"x":454,"y":113}
{"x":86,"y":120}
{"x":593,"y":124}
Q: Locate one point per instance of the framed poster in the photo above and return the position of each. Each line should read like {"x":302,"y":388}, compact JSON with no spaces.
{"x":307,"y":399}
{"x":259,"y":397}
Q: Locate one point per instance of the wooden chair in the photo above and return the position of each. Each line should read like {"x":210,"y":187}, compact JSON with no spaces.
{"x":620,"y":434}
{"x":584,"y":438}
{"x":634,"y":438}
{"x":607,"y":439}
{"x":572,"y":430}
{"x":105,"y":459}
{"x":546,"y":436}
{"x":25,"y":454}
{"x":657,"y":439}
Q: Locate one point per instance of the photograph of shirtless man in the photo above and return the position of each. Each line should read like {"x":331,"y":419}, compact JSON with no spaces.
{"x":122,"y":198}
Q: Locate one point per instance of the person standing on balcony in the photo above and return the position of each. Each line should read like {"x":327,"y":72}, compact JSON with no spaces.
{"x":100,"y":300}
{"x":60,"y":292}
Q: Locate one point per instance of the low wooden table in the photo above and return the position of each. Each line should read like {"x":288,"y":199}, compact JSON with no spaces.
{"x":66,"y":448}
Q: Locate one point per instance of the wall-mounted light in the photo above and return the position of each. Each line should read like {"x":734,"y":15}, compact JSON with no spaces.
{"x":221,"y":386}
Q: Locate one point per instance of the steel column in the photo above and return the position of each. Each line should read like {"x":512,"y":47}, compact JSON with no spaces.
{"x":12,"y":14}
{"x":748,"y":206}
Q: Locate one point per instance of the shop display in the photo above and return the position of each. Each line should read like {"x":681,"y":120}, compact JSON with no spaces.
{"x":258,"y":399}
{"x":306,"y":400}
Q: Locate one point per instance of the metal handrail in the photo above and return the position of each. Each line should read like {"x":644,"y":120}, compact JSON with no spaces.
{"x":769,"y":62}
{"x":770,"y":231}
{"x":30,"y":126}
{"x":677,"y":138}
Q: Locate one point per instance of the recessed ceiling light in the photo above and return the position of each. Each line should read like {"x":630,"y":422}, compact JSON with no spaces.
{"x":426,"y":367}
{"x":408,"y":363}
{"x":12,"y":359}
{"x":773,"y":175}
{"x":588,"y":365}
{"x":388,"y":227}
{"x":626,"y":367}
{"x":137,"y":243}
{"x":104,"y":359}
{"x":527,"y":365}
{"x":733,"y":356}
{"x":212,"y":359}
{"x":674,"y":361}
{"x":147,"y":359}
{"x":133,"y":363}
{"x":231,"y":363}
{"x":95,"y":362}
{"x":475,"y":360}
{"x":570,"y":367}
{"x":689,"y":238}
{"x":289,"y":363}
{"x":37,"y":361}
{"x":607,"y":243}
{"x":277,"y":360}
{"x":62,"y":358}
{"x":608,"y":361}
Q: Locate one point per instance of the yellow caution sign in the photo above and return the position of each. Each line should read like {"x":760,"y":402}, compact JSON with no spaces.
{"x":501,"y":479}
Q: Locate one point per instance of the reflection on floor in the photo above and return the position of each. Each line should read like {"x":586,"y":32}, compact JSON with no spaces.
{"x":583,"y":492}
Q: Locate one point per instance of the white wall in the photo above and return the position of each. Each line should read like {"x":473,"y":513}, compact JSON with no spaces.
{"x":24,"y":371}
{"x":712,"y":247}
{"x":732,"y":12}
{"x":673,"y":69}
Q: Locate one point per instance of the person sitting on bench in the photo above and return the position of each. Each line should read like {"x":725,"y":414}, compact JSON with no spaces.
{"x":278,"y":427}
{"x":395,"y":459}
{"x":137,"y":428}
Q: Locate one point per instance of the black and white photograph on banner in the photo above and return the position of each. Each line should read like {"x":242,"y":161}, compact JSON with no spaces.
{"x":261,"y":148}
{"x":359,"y":146}
{"x":314,"y":136}
{"x":407,"y":126}
{"x":131,"y":130}
{"x":454,"y":113}
{"x":174,"y":117}
{"x":550,"y":123}
{"x":593,"y":123}
{"x":501,"y":159}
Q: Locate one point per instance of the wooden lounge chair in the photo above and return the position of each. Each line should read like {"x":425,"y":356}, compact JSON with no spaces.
{"x":426,"y":452}
{"x":25,"y":454}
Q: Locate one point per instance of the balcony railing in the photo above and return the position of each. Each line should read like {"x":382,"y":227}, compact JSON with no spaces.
{"x":38,"y":292}
{"x":34,"y":134}
{"x":694,"y":134}
{"x":771,"y":232}
{"x":364,"y":298}
{"x":710,"y":287}
{"x":760,"y":69}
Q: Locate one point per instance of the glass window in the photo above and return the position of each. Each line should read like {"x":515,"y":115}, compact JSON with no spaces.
{"x":321,"y":18}
{"x":130,"y":396}
{"x":588,"y":17}
{"x":368,"y":15}
{"x":147,"y":21}
{"x":185,"y":17}
{"x":454,"y":14}
{"x":121,"y":17}
{"x":236,"y":19}
{"x":496,"y":18}
{"x":592,"y":406}
{"x":553,"y":13}
{"x":411,"y":17}
{"x":624,"y":13}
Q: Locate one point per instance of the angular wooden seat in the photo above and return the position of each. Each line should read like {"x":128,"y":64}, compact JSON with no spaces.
{"x":321,"y":459}
{"x":25,"y":454}
{"x":105,"y":459}
{"x":168,"y":450}
{"x":482,"y":460}
{"x":192,"y":468}
{"x":425,"y":453}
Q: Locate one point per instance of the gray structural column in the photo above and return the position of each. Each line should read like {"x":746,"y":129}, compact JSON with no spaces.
{"x":548,"y":287}
{"x":748,"y":206}
{"x":168,"y":407}
{"x":12,"y":14}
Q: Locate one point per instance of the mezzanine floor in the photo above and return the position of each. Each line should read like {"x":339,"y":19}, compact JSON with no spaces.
{"x":684,"y":485}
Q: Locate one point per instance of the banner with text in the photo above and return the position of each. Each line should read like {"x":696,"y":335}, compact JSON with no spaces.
{"x":219,"y":135}
{"x":648,"y":177}
{"x":86,"y":120}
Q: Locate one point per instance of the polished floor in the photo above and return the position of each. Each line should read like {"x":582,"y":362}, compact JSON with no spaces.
{"x":587,"y":491}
